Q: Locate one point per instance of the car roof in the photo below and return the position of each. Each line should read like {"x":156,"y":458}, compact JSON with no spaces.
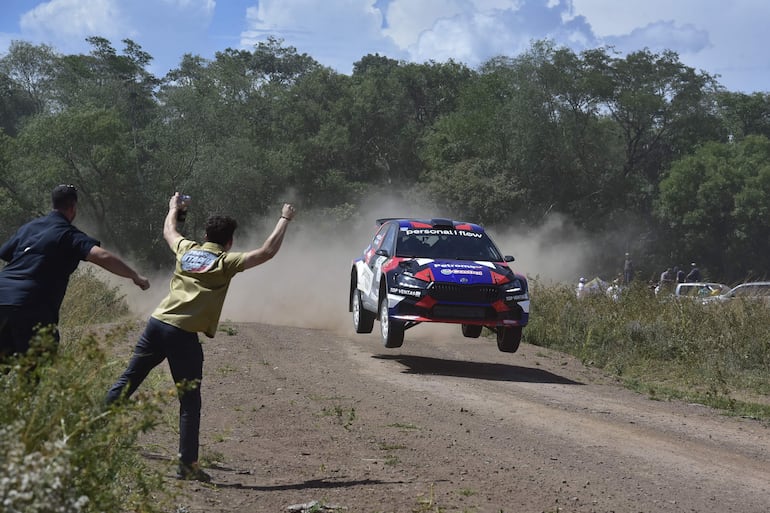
{"x":434,"y":223}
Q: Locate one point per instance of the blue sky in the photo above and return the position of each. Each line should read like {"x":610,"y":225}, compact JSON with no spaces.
{"x":722,"y":38}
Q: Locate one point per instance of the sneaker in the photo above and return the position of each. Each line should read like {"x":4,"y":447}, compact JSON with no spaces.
{"x":192,"y":472}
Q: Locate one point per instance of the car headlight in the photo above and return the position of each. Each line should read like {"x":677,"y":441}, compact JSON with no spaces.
{"x":405,"y":280}
{"x":516,"y":291}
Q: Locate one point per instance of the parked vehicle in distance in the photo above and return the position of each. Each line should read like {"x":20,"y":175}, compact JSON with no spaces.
{"x":700,"y":290}
{"x":437,"y":270}
{"x":750,"y":290}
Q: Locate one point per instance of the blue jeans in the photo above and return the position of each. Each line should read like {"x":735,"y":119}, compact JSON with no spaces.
{"x":185,"y":359}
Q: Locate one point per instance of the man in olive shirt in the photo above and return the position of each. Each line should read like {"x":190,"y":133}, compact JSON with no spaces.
{"x":193,"y":305}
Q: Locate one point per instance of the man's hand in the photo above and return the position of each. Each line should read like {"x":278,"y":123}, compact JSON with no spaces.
{"x":288,"y":211}
{"x":141,"y":282}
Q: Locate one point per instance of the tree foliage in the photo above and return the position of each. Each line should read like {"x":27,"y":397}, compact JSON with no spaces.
{"x":615,"y":143}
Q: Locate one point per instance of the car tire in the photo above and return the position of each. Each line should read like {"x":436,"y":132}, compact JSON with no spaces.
{"x":363,"y":319}
{"x":472,"y":330}
{"x":509,"y":338}
{"x":392,"y":331}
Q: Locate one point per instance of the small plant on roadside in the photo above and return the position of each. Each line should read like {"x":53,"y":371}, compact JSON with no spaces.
{"x":428,"y":504}
{"x":400,"y":425}
{"x":60,"y":439}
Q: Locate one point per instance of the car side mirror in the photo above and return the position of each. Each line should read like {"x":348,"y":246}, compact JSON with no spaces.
{"x":508,"y":258}
{"x":382,"y":252}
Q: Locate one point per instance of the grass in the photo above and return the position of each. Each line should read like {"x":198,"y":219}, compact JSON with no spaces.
{"x":345,"y":416}
{"x":716,"y":354}
{"x":58,"y":439}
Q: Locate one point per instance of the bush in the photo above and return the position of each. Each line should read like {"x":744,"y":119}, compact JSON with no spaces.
{"x":64,"y":451}
{"x":715,"y":350}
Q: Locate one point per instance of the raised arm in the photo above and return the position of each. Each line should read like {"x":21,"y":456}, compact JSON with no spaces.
{"x":170,"y":232}
{"x":273,"y":243}
{"x":117,"y":266}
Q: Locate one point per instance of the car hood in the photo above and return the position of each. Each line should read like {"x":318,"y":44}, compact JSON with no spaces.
{"x":462,"y":272}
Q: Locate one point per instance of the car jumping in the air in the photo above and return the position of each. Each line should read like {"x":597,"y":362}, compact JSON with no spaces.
{"x":437,"y":270}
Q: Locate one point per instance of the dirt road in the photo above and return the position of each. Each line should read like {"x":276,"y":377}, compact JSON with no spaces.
{"x":448,"y":424}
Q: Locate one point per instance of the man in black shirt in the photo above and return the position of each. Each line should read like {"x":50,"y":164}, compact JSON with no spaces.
{"x":41,"y":256}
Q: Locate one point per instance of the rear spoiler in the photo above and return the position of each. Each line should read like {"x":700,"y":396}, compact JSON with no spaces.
{"x":435,"y":222}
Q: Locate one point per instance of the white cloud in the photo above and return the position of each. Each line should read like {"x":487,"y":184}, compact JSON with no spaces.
{"x":336,"y":35}
{"x":725,"y":38}
{"x":62,"y":20}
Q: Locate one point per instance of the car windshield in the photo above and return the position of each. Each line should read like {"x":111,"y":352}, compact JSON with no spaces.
{"x":454,"y":244}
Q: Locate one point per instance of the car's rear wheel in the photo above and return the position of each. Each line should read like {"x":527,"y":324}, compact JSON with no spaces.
{"x":392,"y":331}
{"x":472,"y":330}
{"x":508,"y":338}
{"x":363,"y":319}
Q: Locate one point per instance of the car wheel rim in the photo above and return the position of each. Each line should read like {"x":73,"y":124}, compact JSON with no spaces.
{"x":384,"y":323}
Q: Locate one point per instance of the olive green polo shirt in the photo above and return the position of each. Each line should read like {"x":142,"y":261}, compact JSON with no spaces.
{"x":199,"y":286}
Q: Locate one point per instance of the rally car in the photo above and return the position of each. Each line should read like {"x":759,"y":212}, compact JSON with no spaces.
{"x":437,"y":270}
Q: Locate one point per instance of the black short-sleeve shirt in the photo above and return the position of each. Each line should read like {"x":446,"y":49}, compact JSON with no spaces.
{"x":41,"y":256}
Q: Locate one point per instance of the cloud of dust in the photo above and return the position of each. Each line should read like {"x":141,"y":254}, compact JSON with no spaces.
{"x":307,"y":283}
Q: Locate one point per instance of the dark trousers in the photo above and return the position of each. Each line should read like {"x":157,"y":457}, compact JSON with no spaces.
{"x":184,"y":353}
{"x":18,"y":326}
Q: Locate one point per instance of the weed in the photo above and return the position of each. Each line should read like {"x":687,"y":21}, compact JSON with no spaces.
{"x":344,"y":416}
{"x":400,"y":425}
{"x":663,"y":347}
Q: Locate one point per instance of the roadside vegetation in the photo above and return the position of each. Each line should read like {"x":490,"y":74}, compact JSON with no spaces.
{"x":62,"y":450}
{"x":716,"y":354}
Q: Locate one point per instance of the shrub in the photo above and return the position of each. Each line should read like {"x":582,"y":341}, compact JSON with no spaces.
{"x":64,"y":451}
{"x":714,"y":349}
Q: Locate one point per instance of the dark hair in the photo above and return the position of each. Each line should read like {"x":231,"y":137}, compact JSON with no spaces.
{"x":220,"y":229}
{"x":64,"y":197}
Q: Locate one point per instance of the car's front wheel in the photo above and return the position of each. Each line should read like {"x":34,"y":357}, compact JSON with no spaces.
{"x":509,"y":338}
{"x":472,"y":330}
{"x":392,"y":331}
{"x":363,"y":319}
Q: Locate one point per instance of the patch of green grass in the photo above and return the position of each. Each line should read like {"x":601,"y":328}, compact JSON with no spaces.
{"x":427,"y":504}
{"x":400,"y":425}
{"x":714,"y":354}
{"x":345,"y":416}
{"x":391,"y":447}
{"x":392,"y":459}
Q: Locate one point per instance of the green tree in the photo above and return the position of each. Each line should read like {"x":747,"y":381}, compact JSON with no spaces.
{"x":26,"y":75}
{"x":715,"y":204}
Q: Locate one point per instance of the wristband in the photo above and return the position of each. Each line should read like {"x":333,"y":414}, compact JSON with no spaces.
{"x":287,"y":218}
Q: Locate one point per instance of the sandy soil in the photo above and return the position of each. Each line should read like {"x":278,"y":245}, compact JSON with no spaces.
{"x":296,"y":417}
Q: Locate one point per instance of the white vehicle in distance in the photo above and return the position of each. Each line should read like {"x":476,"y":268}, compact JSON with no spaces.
{"x":751,"y":290}
{"x":700,"y":290}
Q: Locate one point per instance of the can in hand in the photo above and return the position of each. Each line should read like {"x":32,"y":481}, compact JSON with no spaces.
{"x":182,"y":202}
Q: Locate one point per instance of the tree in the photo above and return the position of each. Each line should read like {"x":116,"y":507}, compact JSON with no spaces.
{"x":715,"y":204}
{"x":26,"y":75}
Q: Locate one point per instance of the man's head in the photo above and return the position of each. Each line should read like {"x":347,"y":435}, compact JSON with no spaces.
{"x":220,"y":229}
{"x":64,"y":198}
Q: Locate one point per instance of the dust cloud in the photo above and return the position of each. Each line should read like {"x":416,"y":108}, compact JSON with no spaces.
{"x":307,"y":283}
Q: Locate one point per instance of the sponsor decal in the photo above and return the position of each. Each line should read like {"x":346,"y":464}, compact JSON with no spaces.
{"x":197,"y":261}
{"x":450,"y":272}
{"x":435,"y":231}
{"x":457,"y":269}
{"x":405,"y":292}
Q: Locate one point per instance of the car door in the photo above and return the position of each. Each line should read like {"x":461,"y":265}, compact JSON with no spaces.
{"x":384,"y":239}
